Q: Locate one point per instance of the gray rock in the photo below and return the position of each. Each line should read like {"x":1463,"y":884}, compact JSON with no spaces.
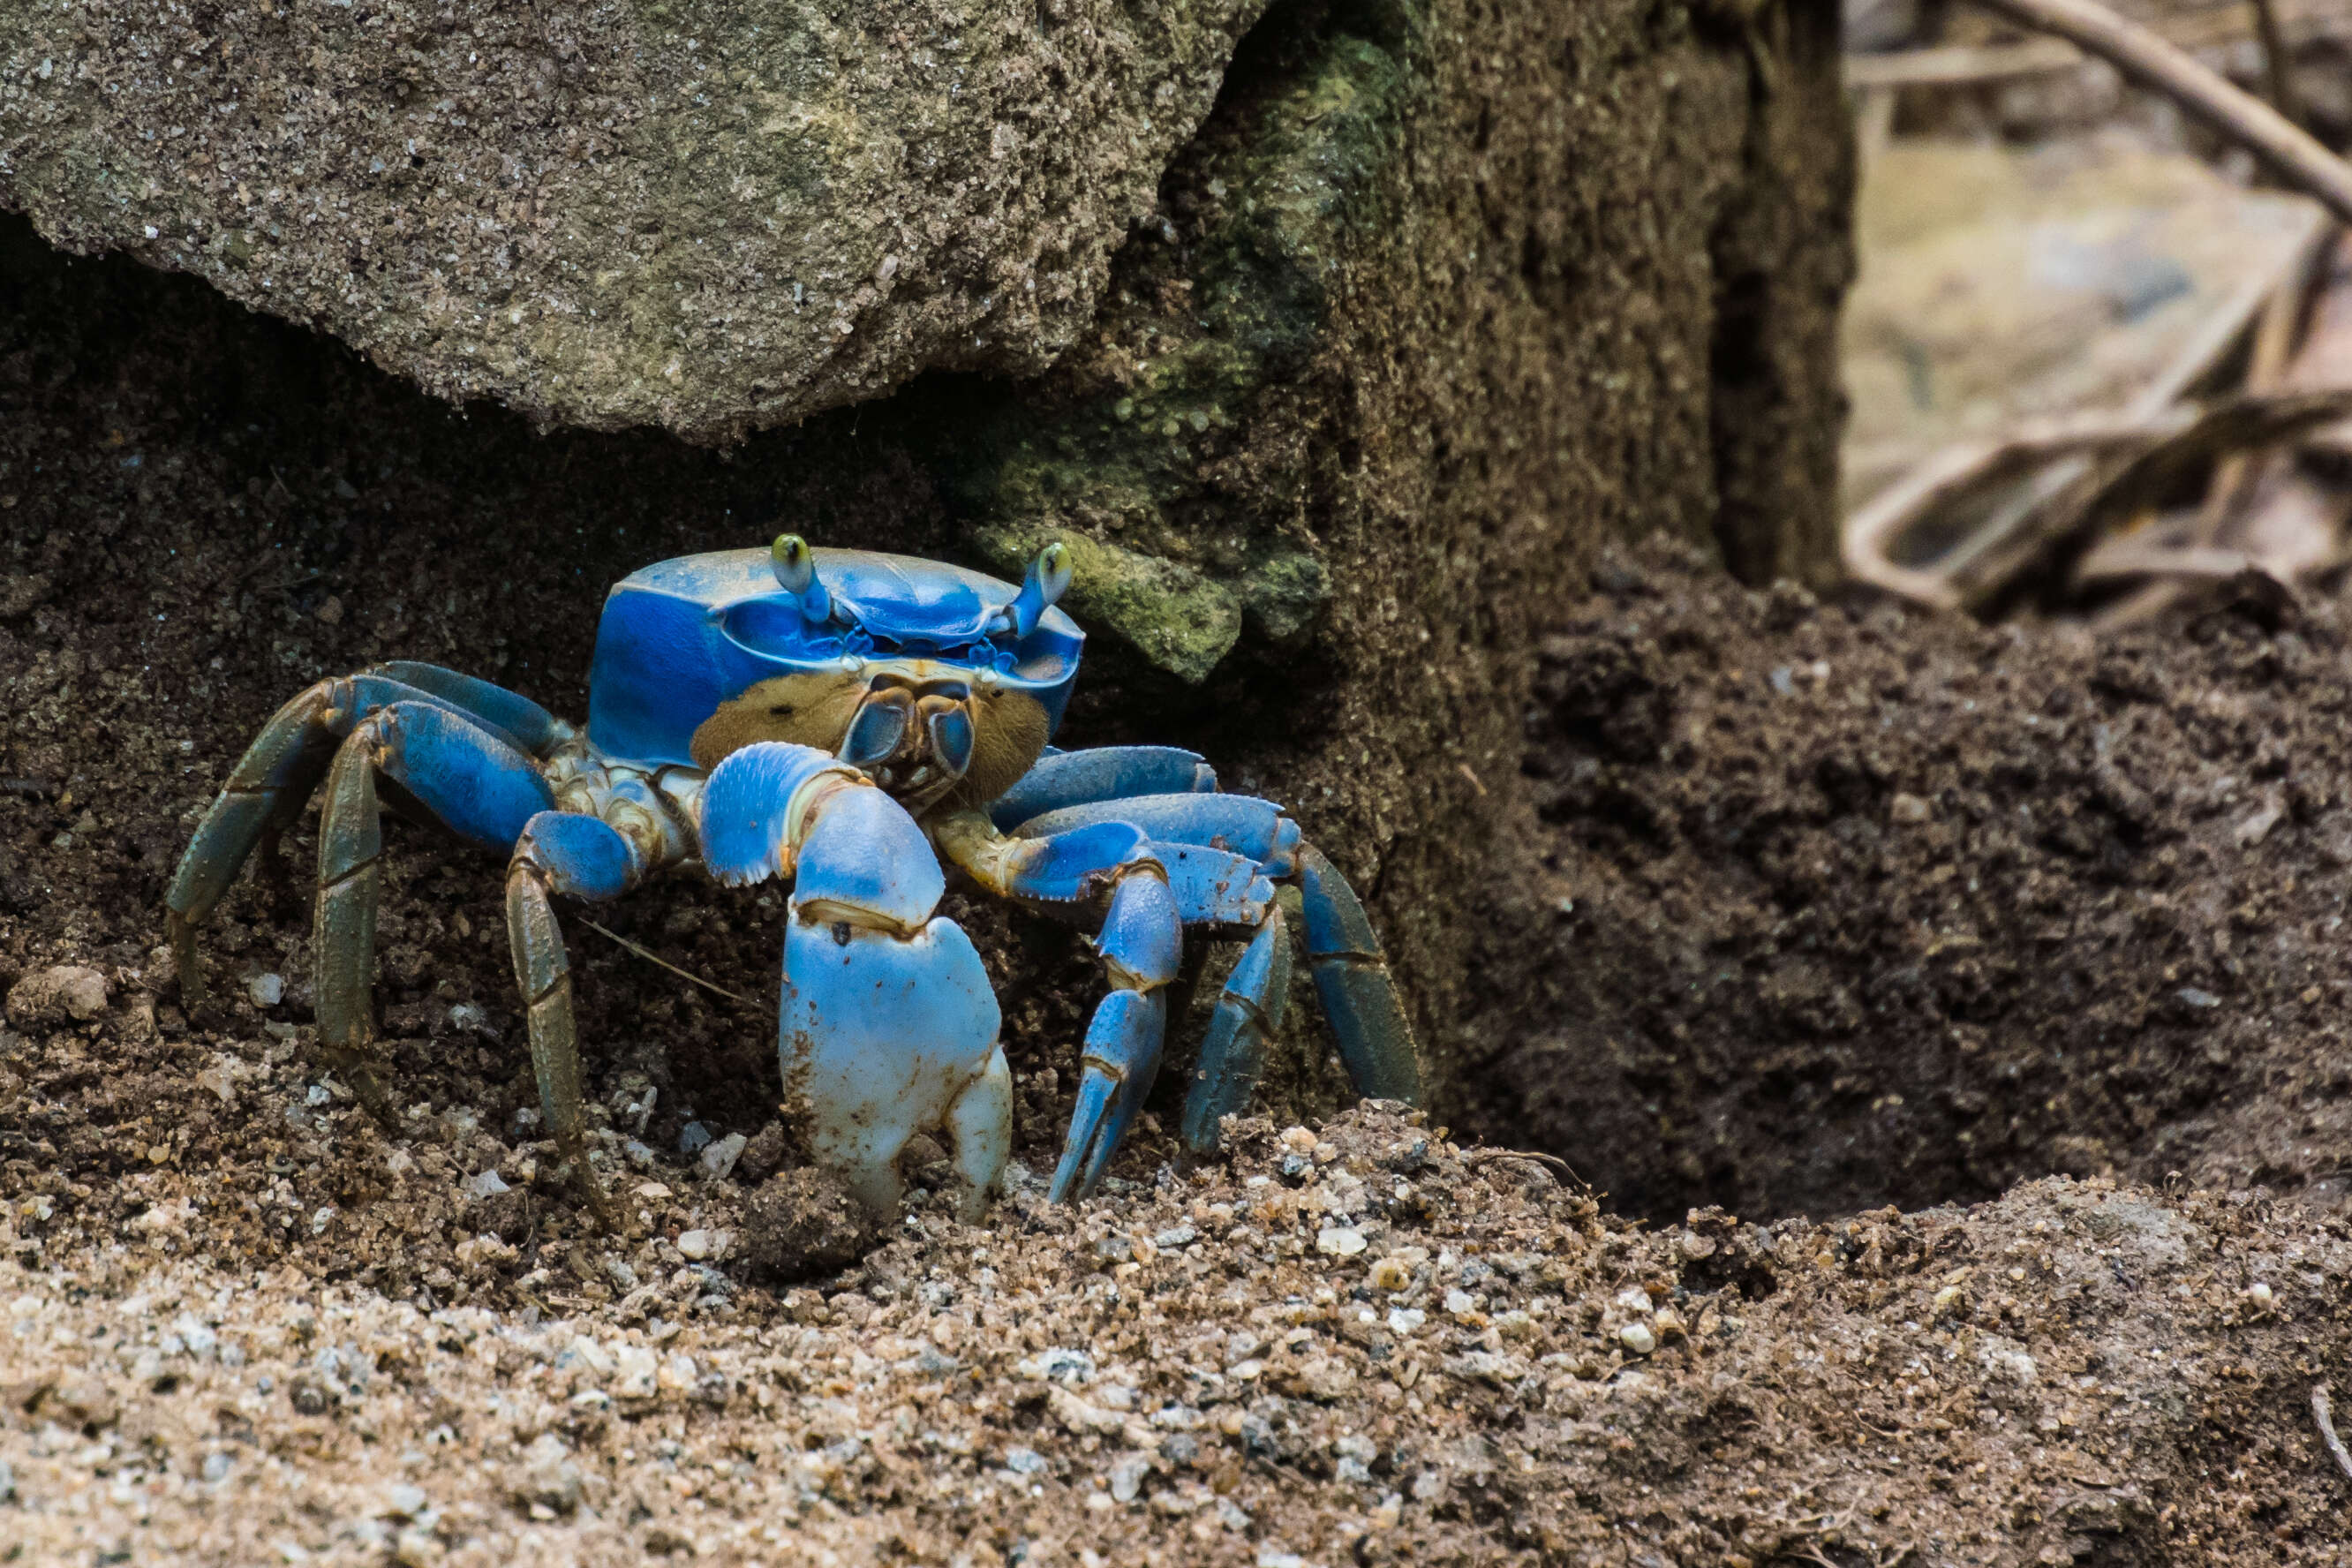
{"x":690,"y":214}
{"x":547,"y":1475}
{"x":68,"y":991}
{"x":718,"y":1158}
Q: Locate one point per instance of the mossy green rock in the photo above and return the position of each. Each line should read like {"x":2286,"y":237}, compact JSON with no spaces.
{"x":1141,"y":450}
{"x":692,"y":214}
{"x":1175,"y":617}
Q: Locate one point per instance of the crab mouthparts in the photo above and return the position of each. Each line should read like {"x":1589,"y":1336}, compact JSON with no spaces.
{"x":911,"y":737}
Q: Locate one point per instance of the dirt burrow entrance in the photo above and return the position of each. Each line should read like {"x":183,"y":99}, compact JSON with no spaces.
{"x":1828,"y":907}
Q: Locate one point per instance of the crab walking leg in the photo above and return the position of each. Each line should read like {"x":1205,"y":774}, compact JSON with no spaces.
{"x":1141,"y":945}
{"x":518,"y":717}
{"x":1158,"y":889}
{"x":1351,"y":974}
{"x":1352,"y":977}
{"x":581,"y":856}
{"x":889,"y":1026}
{"x":265,"y":790}
{"x":476,"y":783}
{"x":1098,"y":774}
{"x":1233,"y":1052}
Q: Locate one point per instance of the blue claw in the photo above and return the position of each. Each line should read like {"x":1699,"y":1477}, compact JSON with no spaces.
{"x":1233,"y":1053}
{"x":883,"y":1035}
{"x":1100,"y":773}
{"x":888,"y":1025}
{"x":1122,"y":1058}
{"x":1142,"y":944}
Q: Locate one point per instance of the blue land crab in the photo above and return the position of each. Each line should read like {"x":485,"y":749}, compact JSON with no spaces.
{"x":844,"y":722}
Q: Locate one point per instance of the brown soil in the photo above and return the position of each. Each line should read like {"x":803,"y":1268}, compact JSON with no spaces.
{"x":1837,"y":908}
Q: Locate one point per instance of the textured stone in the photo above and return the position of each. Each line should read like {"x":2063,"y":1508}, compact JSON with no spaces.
{"x":683,"y":214}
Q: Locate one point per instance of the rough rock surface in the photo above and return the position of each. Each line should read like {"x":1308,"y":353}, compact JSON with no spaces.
{"x":684,"y":214}
{"x":1363,"y":1345}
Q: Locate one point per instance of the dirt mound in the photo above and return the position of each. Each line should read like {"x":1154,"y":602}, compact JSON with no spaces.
{"x":1836,"y":908}
{"x":1363,"y":1344}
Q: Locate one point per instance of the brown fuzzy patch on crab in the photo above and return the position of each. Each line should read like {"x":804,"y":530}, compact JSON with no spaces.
{"x":1008,"y":735}
{"x":807,"y":710}
{"x":1008,"y":728}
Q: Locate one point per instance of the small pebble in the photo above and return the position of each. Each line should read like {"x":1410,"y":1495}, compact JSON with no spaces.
{"x":265,"y":990}
{"x":1907,"y":808}
{"x":693,"y":1138}
{"x":1126,"y":1478}
{"x":2259,"y":1293}
{"x":1339,"y":1241}
{"x":1637,"y":1338}
{"x":718,"y":1158}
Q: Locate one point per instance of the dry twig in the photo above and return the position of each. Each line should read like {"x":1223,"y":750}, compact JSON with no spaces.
{"x":1873,"y":531}
{"x":2321,"y":1413}
{"x":2298,"y":157}
{"x":1960,"y":64}
{"x":652,"y":957}
{"x":2277,"y":77}
{"x":1479,"y":1156}
{"x":1981,"y":565}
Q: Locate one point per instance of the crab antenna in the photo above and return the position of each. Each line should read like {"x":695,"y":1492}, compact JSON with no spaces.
{"x":795,"y":565}
{"x":1048,"y":578}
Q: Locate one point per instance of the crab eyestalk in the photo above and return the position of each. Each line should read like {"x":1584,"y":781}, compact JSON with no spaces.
{"x":796,"y":568}
{"x":1048,"y":580}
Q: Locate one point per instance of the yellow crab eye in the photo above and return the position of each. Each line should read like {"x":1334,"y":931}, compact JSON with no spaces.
{"x":794,"y":564}
{"x":1051,"y":571}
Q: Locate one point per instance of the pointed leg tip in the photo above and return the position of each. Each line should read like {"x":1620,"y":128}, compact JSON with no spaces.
{"x":186,"y":966}
{"x":601,"y":1210}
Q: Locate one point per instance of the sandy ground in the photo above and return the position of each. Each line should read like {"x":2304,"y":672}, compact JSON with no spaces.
{"x":1361,"y":1343}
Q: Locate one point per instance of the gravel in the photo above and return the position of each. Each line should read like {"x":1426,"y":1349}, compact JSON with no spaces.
{"x":1502,"y":1369}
